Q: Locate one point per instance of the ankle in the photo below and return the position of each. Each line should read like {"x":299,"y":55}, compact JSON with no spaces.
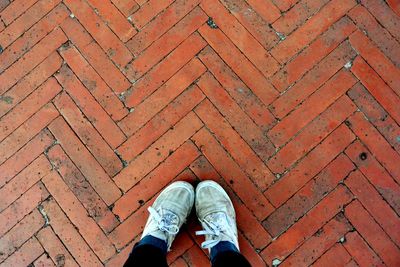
{"x":154,"y":241}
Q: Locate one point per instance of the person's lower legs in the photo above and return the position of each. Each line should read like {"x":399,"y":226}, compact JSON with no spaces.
{"x":147,"y":254}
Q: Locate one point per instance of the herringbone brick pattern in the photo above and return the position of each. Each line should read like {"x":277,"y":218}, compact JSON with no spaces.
{"x":292,"y":105}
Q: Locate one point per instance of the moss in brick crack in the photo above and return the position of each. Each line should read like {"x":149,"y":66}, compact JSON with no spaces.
{"x":211,"y":23}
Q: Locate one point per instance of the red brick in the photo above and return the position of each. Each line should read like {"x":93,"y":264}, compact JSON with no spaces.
{"x":284,"y":5}
{"x":19,"y":234}
{"x":148,"y":12}
{"x":373,"y":202}
{"x":160,"y":25}
{"x":336,"y":256}
{"x":247,"y":222}
{"x":90,"y":107}
{"x":22,"y":206}
{"x":121,"y":257}
{"x":377,"y":60}
{"x":54,"y":248}
{"x":163,"y":46}
{"x":235,"y":145}
{"x":95,"y":55}
{"x":158,"y":152}
{"x":246,"y":43}
{"x":81,"y":188}
{"x":179,"y":262}
{"x":311,"y":165}
{"x":236,"y":117}
{"x":195,"y":257}
{"x":27,"y":20}
{"x":25,"y":255}
{"x":297,"y":15}
{"x":69,"y":236}
{"x":247,"y":72}
{"x":156,"y":180}
{"x":32,"y":36}
{"x":85,"y":162}
{"x":4,"y":4}
{"x":313,"y":54}
{"x":377,"y":144}
{"x":372,"y":233}
{"x":320,"y":242}
{"x":376,"y":32}
{"x":244,"y":97}
{"x":394,"y":5}
{"x":108,"y":41}
{"x":29,"y":83}
{"x":94,"y":83}
{"x":162,"y":97}
{"x":78,"y":216}
{"x":375,"y":173}
{"x":160,"y":123}
{"x":127,"y":7}
{"x":311,"y":107}
{"x":114,"y":19}
{"x":376,"y":115}
{"x":308,"y":225}
{"x":31,"y":59}
{"x":23,"y":181}
{"x":377,"y":87}
{"x":25,"y":156}
{"x":384,"y":15}
{"x":14,"y":9}
{"x":250,"y":253}
{"x":43,"y":261}
{"x":27,"y":131}
{"x":29,"y":106}
{"x":312,"y":134}
{"x":247,"y":15}
{"x":266,"y":9}
{"x":316,"y":25}
{"x":313,"y":192}
{"x":163,"y":71}
{"x":88,"y":135}
{"x":315,"y":78}
{"x":360,"y":251}
{"x":232,"y":174}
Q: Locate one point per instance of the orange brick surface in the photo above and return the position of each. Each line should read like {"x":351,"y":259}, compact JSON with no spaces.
{"x":293,"y":106}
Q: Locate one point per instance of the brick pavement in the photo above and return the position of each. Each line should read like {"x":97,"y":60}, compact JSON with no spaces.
{"x":292,"y":105}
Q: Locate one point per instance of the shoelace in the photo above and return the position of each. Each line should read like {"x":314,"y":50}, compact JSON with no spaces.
{"x":164,"y":223}
{"x":215,"y":230}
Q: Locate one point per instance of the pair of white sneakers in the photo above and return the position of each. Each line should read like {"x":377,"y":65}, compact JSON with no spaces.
{"x":214,"y":210}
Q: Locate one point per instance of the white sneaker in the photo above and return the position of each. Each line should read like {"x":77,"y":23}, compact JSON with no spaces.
{"x":216,"y":214}
{"x":169,"y":211}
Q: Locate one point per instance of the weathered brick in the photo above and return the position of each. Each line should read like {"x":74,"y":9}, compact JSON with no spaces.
{"x":195,"y":257}
{"x":163,"y":46}
{"x":232,"y":174}
{"x":23,"y":181}
{"x":372,"y":233}
{"x":14,"y":9}
{"x":313,"y":54}
{"x":284,"y":5}
{"x":246,"y":43}
{"x":163,"y":71}
{"x":81,"y":188}
{"x":181,"y":244}
{"x":247,"y":72}
{"x":26,"y":254}
{"x":308,"y":225}
{"x":54,"y":248}
{"x":235,"y":145}
{"x":158,"y":152}
{"x":160,"y":123}
{"x":311,"y":107}
{"x":236,"y":116}
{"x":90,"y":107}
{"x":316,"y":25}
{"x":85,"y":162}
{"x":43,"y":261}
{"x":311,"y":165}
{"x":162,"y":97}
{"x":360,"y":251}
{"x":148,"y":12}
{"x":94,"y":83}
{"x":313,"y":192}
{"x":373,"y":202}
{"x":29,"y":106}
{"x":127,"y":7}
{"x":336,"y":256}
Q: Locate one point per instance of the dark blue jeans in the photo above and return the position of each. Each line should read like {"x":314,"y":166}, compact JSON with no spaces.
{"x":151,"y":251}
